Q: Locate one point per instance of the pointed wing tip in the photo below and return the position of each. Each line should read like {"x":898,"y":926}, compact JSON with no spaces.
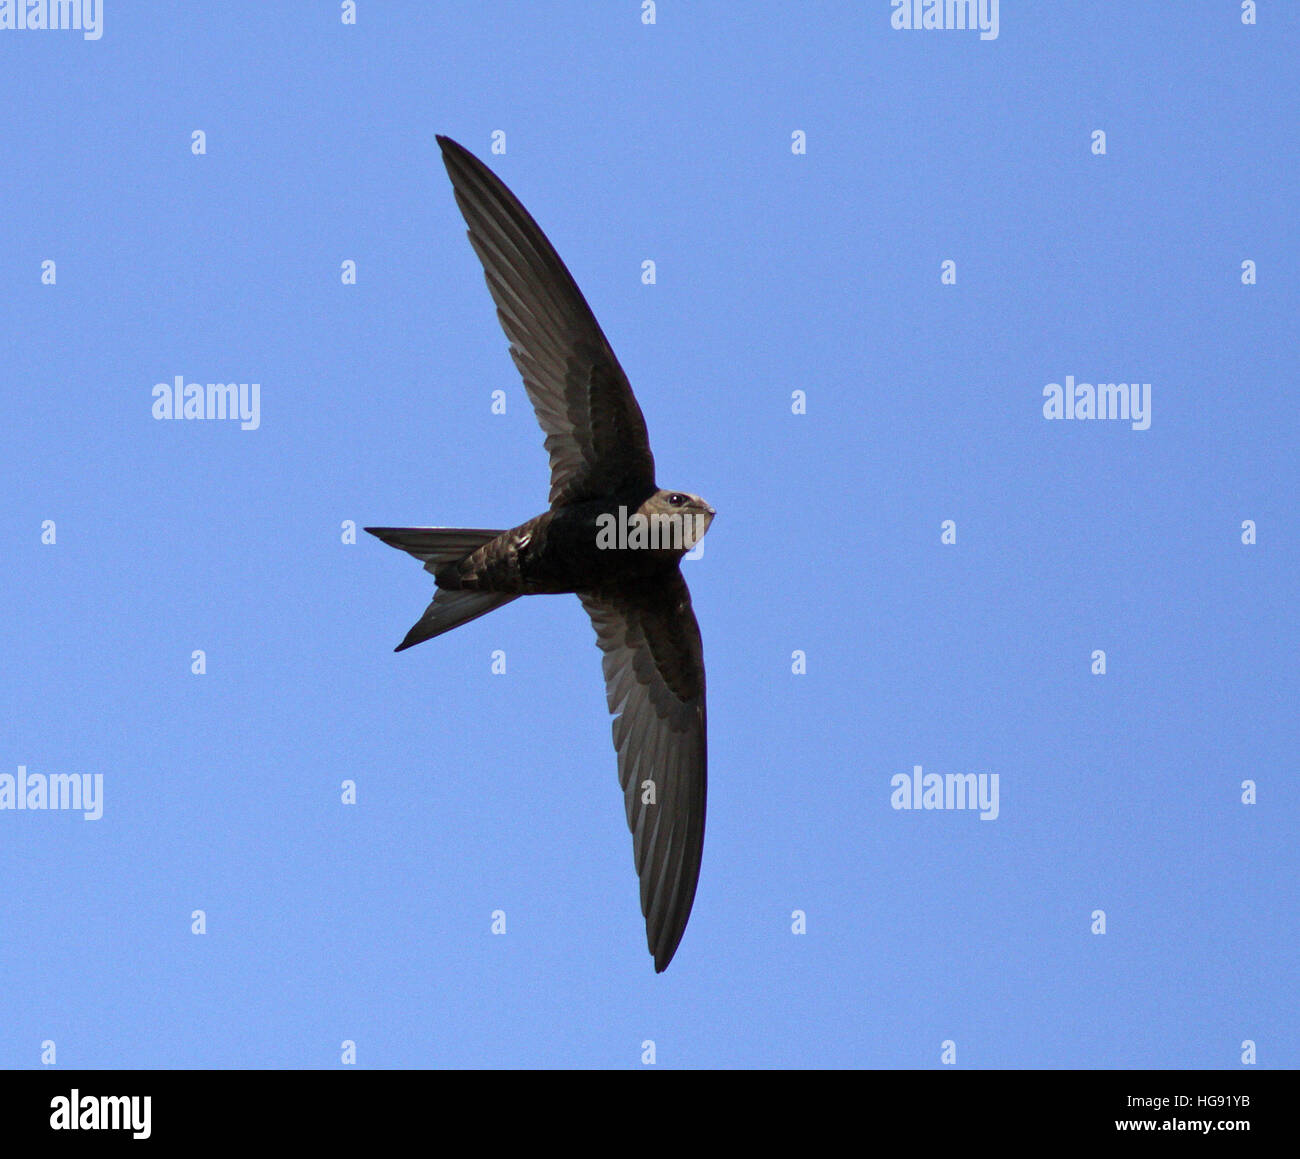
{"x":384,"y":535}
{"x":450,"y":147}
{"x":664,"y":955}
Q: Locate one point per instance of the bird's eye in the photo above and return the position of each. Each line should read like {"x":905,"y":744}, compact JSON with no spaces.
{"x":676,"y":500}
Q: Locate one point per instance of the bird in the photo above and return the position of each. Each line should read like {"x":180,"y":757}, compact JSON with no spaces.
{"x":611,"y":536}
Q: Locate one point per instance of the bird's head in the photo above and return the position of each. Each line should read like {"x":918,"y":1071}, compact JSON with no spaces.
{"x":674,"y":509}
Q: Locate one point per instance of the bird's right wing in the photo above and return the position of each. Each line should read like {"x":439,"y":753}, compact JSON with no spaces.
{"x":654,"y":681}
{"x":595,"y":433}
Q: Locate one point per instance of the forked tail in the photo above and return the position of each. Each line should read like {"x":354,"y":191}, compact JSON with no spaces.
{"x":436,"y":546}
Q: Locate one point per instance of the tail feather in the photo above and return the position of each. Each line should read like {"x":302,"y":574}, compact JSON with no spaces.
{"x":449,"y":610}
{"x":436,"y":546}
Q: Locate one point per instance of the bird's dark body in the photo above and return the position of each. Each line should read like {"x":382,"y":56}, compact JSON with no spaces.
{"x":557,"y":552}
{"x":602,"y":486}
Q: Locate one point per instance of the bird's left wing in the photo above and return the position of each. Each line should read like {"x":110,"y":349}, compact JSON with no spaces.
{"x":595,"y":433}
{"x":654,"y":681}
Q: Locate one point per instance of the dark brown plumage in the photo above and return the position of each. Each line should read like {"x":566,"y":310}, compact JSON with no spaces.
{"x":602,"y":476}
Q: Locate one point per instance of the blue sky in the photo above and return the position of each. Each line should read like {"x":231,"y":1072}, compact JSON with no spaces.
{"x":776,"y":271}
